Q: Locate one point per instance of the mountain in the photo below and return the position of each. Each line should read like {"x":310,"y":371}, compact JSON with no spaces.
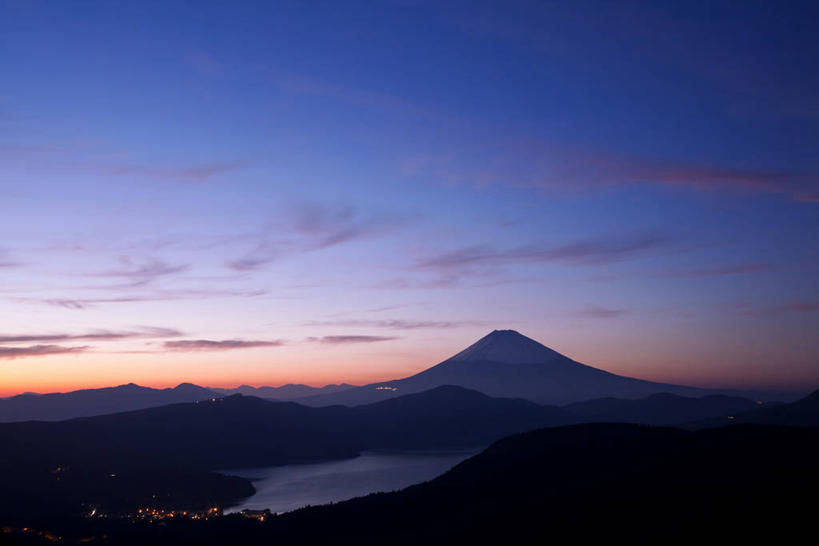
{"x":510,"y":365}
{"x":285,"y":392}
{"x":88,"y":402}
{"x":801,"y":413}
{"x":67,"y":463}
{"x":447,"y":416}
{"x":658,"y":409}
{"x":583,"y":483}
{"x":244,"y":431}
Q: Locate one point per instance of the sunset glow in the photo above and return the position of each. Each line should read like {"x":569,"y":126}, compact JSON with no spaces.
{"x":264,"y":195}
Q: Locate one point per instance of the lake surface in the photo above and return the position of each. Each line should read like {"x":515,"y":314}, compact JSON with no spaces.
{"x":285,"y":488}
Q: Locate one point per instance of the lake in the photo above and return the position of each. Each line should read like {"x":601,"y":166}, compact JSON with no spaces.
{"x":285,"y":488}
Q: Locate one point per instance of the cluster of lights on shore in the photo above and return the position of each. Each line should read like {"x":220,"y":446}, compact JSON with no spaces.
{"x":157,"y":514}
{"x":153,"y":514}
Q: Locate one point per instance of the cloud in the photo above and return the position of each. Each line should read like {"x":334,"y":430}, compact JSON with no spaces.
{"x":752,"y":310}
{"x":147,"y":270}
{"x":393,"y":324}
{"x":212,"y":345}
{"x":6,"y":262}
{"x":738,"y":269}
{"x":190,"y":173}
{"x":339,"y":340}
{"x":98,"y":335}
{"x":585,"y":252}
{"x":65,"y":161}
{"x":164,"y":295}
{"x":595,"y":311}
{"x":799,"y":306}
{"x":10,"y":353}
{"x":311,"y":87}
{"x":555,"y":166}
{"x":309,"y":227}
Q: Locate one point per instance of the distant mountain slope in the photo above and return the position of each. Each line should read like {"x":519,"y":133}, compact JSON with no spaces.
{"x":447,"y":416}
{"x":658,"y":409}
{"x":507,"y":364}
{"x":285,"y":392}
{"x":88,"y":402}
{"x":801,"y":413}
{"x":242,"y":431}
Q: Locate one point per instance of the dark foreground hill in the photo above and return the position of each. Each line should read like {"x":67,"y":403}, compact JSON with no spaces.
{"x":167,"y":456}
{"x":122,"y":461}
{"x":583,"y":483}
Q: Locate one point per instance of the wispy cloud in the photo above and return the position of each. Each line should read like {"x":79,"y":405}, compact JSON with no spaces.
{"x":10,"y":353}
{"x":584,"y":252}
{"x":310,"y":227}
{"x":213,"y":345}
{"x":393,"y":324}
{"x":355,"y":96}
{"x":201,"y":172}
{"x":70,"y":159}
{"x":339,"y":340}
{"x":596,"y":311}
{"x":97,"y":335}
{"x":143,"y":271}
{"x":754,"y":310}
{"x":737,"y":269}
{"x":5,"y":261}
{"x":799,"y":306}
{"x":163,"y":295}
{"x":555,"y":166}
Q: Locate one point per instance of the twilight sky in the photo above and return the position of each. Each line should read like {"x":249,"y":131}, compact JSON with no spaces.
{"x":226,"y":193}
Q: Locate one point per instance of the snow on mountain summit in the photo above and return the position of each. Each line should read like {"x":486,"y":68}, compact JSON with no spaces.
{"x":507,"y":346}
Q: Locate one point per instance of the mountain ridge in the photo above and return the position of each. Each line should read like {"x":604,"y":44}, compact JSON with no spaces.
{"x":507,"y":364}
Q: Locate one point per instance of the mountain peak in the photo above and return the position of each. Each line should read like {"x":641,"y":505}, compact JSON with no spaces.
{"x":507,"y":346}
{"x":188,"y":388}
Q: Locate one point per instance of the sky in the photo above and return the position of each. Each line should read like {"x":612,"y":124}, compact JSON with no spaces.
{"x":321,"y":192}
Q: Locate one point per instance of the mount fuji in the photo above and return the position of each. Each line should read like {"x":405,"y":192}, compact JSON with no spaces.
{"x":508,"y":364}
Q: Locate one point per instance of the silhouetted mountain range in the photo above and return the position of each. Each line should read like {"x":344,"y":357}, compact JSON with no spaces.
{"x":659,"y":409}
{"x":182,"y":444}
{"x":285,"y":392}
{"x":232,"y":432}
{"x":801,"y":413}
{"x":88,"y":402}
{"x":510,"y":365}
{"x":502,"y":364}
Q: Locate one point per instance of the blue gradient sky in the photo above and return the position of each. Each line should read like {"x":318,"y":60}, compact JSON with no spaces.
{"x":265,"y":193}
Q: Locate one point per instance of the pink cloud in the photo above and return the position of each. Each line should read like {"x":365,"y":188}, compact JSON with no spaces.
{"x":212,"y":345}
{"x":98,"y":335}
{"x":338,"y":340}
{"x":11,"y":353}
